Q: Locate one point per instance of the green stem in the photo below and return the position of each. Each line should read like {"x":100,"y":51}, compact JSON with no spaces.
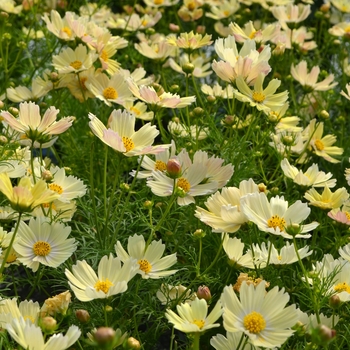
{"x":39,"y":274}
{"x":196,"y":339}
{"x":199,"y":257}
{"x":8,"y":250}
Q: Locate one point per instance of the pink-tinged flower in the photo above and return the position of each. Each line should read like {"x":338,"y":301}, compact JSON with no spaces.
{"x":122,"y":137}
{"x":165,"y":100}
{"x":158,"y":50}
{"x":291,"y":13}
{"x":35,"y":128}
{"x":309,"y":80}
{"x":340,"y":29}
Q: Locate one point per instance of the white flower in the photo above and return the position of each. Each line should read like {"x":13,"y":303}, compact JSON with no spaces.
{"x":261,"y":316}
{"x":275,"y":216}
{"x":149,"y":262}
{"x":193,"y":316}
{"x":112,"y":278}
{"x":234,"y":247}
{"x":168,"y":293}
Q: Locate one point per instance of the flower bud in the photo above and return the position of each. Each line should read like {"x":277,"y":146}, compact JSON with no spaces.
{"x":14,"y":111}
{"x":198,"y":111}
{"x":203,"y":292}
{"x":124,"y":187}
{"x":334,"y":301}
{"x":174,"y":88}
{"x":104,"y":335}
{"x":324,"y":114}
{"x":3,"y":139}
{"x":200,"y":30}
{"x":2,"y":104}
{"x":288,"y":140}
{"x":188,"y":68}
{"x":173,"y":168}
{"x":4,"y":14}
{"x":262,"y":188}
{"x":199,"y":233}
{"x":48,"y":324}
{"x":82,"y":315}
{"x":228,"y":120}
{"x":46,"y":175}
{"x":54,"y":76}
{"x":132,"y":344}
{"x":322,"y":334}
{"x":211,"y":99}
{"x":325,"y":8}
{"x":148,"y":204}
{"x":174,"y":28}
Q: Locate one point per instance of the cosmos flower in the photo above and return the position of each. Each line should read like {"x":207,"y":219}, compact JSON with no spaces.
{"x":193,"y":317}
{"x":327,"y":199}
{"x":262,"y":316}
{"x":148,"y":260}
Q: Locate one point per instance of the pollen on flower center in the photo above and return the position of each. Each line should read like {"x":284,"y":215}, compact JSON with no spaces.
{"x":145,"y":266}
{"x":184,"y":184}
{"x":199,"y":323}
{"x":56,"y":188}
{"x":67,"y":31}
{"x":279,"y":257}
{"x":110,"y":93}
{"x":41,"y":248}
{"x":161,"y":166}
{"x":103,"y":285}
{"x":11,"y":258}
{"x":158,"y":2}
{"x":128,"y":144}
{"x":254,"y":322}
{"x":258,"y":96}
{"x":135,"y":110}
{"x":252,"y":34}
{"x":104,"y":55}
{"x":28,"y":317}
{"x":76,"y":64}
{"x":276,"y":221}
{"x":319,"y":145}
{"x":347,"y":214}
{"x":342,"y":287}
{"x":226,"y":13}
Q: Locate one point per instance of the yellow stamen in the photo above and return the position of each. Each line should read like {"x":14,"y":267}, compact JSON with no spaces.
{"x":76,"y":64}
{"x":145,"y":266}
{"x":161,"y":166}
{"x":103,"y":285}
{"x":184,"y":184}
{"x":279,"y":257}
{"x":158,"y":2}
{"x":254,"y":322}
{"x":347,"y":214}
{"x":56,"y":188}
{"x":128,"y":144}
{"x":110,"y":93}
{"x":41,"y":248}
{"x":11,"y":258}
{"x":319,"y":145}
{"x":28,"y":317}
{"x":199,"y":323}
{"x":226,"y":13}
{"x":276,"y":221}
{"x":342,"y":287}
{"x":135,"y":110}
{"x":258,"y":96}
{"x":67,"y":31}
{"x":104,"y":55}
{"x":252,"y":34}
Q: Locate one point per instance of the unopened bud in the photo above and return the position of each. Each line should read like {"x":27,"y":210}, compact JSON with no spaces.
{"x":174,"y":88}
{"x":293,"y":229}
{"x":132,"y":344}
{"x":211,"y":99}
{"x":334,"y":301}
{"x":325,"y":7}
{"x":174,"y":28}
{"x":324,"y":114}
{"x":148,"y":204}
{"x":48,"y":324}
{"x":124,"y":187}
{"x":104,"y":335}
{"x":82,"y":315}
{"x":54,"y":76}
{"x":275,"y":191}
{"x":13,"y":111}
{"x":173,"y":168}
{"x":203,"y":292}
{"x":3,"y":139}
{"x":4,"y":14}
{"x":199,"y":233}
{"x":46,"y":175}
{"x":288,"y":140}
{"x":200,"y":30}
{"x":2,"y":105}
{"x":262,"y":188}
{"x":228,"y":120}
{"x":6,"y":36}
{"x":336,"y":42}
{"x":188,"y":68}
{"x":198,"y":111}
{"x":322,"y":334}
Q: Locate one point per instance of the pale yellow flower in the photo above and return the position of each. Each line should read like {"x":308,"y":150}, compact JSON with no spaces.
{"x":327,"y":199}
{"x":190,"y":41}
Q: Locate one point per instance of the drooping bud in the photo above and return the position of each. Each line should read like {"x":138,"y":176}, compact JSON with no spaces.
{"x":82,"y":315}
{"x":104,"y":335}
{"x":203,"y":292}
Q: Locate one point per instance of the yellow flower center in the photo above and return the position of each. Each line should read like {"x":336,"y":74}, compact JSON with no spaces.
{"x":184,"y":184}
{"x":254,"y":322}
{"x":41,"y":248}
{"x":161,"y":166}
{"x":191,"y":5}
{"x":110,"y":93}
{"x":347,"y":29}
{"x":49,"y":205}
{"x":28,"y":317}
{"x":252,"y":34}
{"x":128,"y":144}
{"x":158,"y":2}
{"x":226,"y":13}
{"x":144,"y":22}
{"x":56,"y":188}
{"x":279,"y":257}
{"x":258,"y":96}
{"x":319,"y":145}
{"x":76,"y":64}
{"x":11,"y":258}
{"x":347,"y":214}
{"x":103,"y":285}
{"x":145,"y":266}
{"x":67,"y":31}
{"x":199,"y":323}
{"x":104,"y":55}
{"x":276,"y":221}
{"x":135,"y":110}
{"x":342,"y":287}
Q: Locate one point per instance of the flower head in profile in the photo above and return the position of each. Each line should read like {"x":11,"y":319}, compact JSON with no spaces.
{"x":309,"y":80}
{"x":112,"y":278}
{"x":312,"y":177}
{"x":30,"y":336}
{"x":275,"y":216}
{"x":341,"y":215}
{"x":327,"y":199}
{"x":193,"y":317}
{"x":35,"y":127}
{"x":178,"y":294}
{"x":59,"y":26}
{"x":148,"y":260}
{"x":291,"y":13}
{"x":25,"y":196}
{"x":42,"y":242}
{"x":190,"y":41}
{"x":263,"y":99}
{"x":121,"y":134}
{"x":56,"y":305}
{"x":262,"y":316}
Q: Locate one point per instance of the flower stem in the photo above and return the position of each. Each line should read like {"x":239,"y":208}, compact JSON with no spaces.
{"x":8,"y":250}
{"x":196,"y":338}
